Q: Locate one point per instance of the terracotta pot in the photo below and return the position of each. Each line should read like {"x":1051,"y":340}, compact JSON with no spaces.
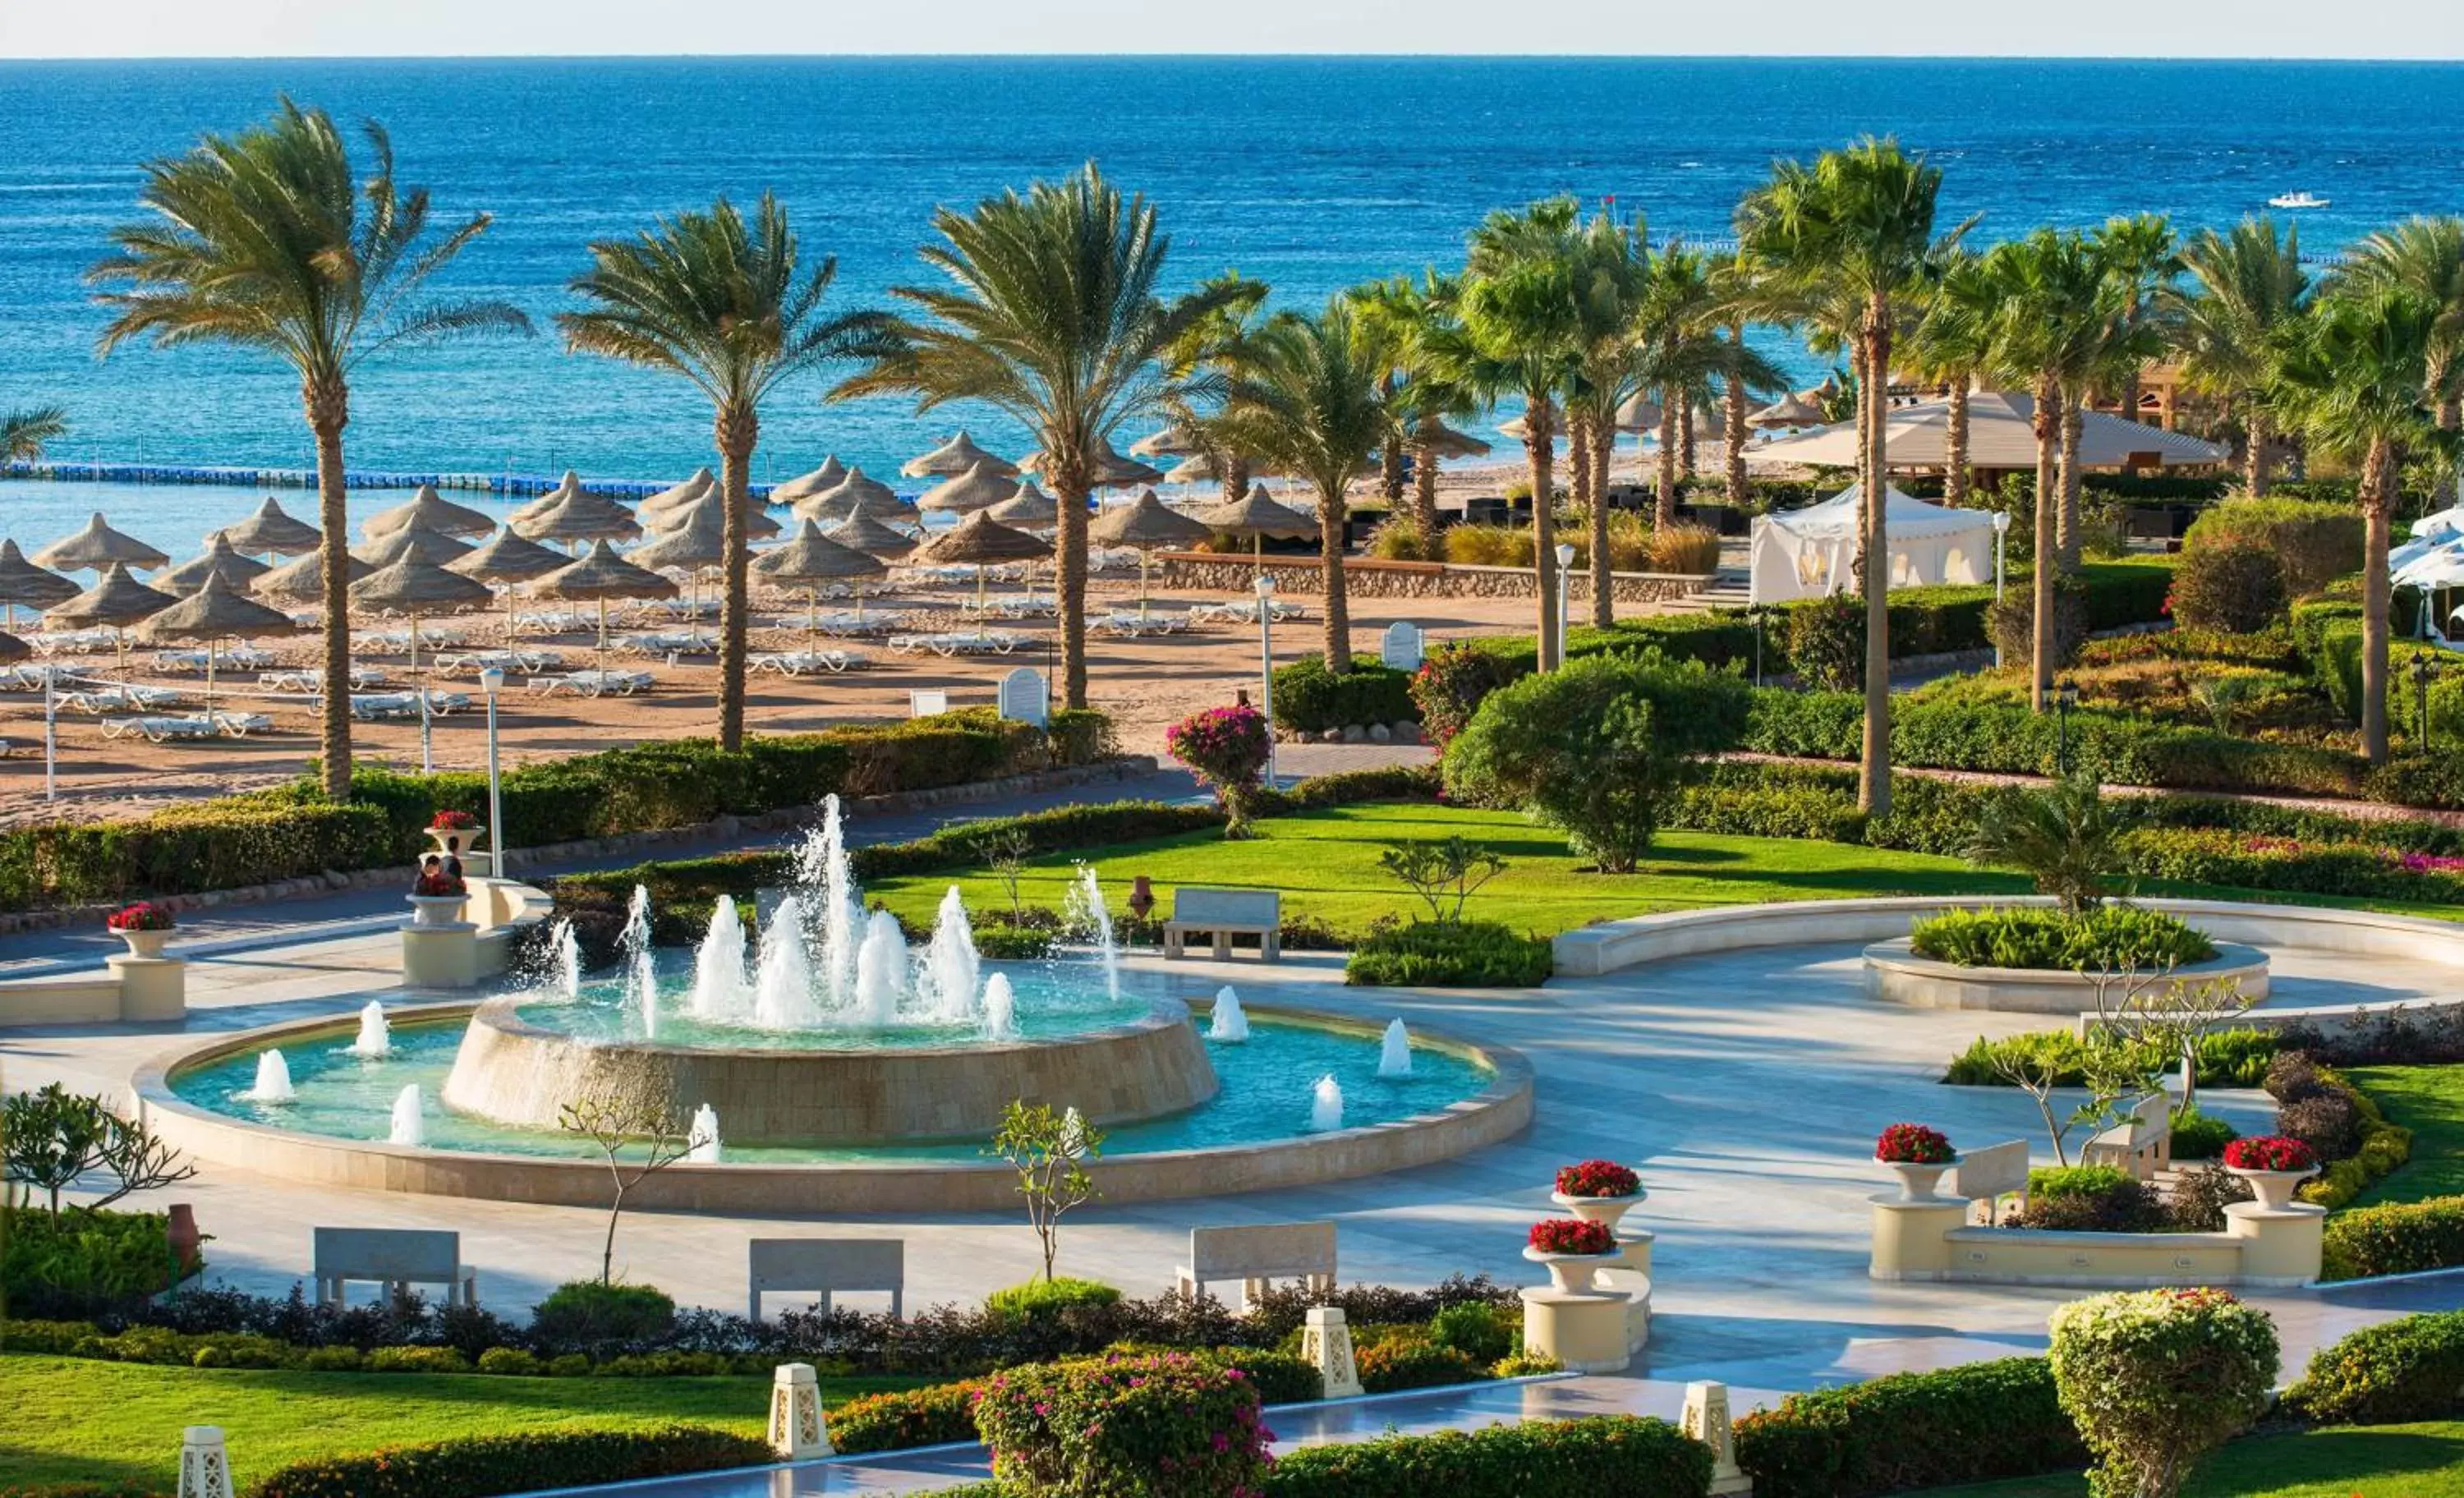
{"x":1142,"y":896}
{"x":182,"y":1232}
{"x":144,"y":944}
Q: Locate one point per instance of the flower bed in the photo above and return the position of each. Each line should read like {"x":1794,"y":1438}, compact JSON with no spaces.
{"x":143,"y":916}
{"x":2108,"y":938}
{"x":2269,"y":1152}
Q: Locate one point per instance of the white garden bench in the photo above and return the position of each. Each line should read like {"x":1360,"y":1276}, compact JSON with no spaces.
{"x":1988,"y":1174}
{"x":1223,"y":914}
{"x":1256,"y":1255}
{"x":396,"y":1258}
{"x":2141,"y":1143}
{"x":826,"y":1266}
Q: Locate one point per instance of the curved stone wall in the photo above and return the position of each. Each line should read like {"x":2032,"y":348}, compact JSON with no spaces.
{"x":1895,"y":974}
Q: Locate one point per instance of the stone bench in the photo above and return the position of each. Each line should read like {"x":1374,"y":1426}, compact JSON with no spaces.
{"x":1988,"y":1174}
{"x":2141,"y":1143}
{"x":1255,"y":1255}
{"x":826,"y":1266}
{"x":396,"y":1258}
{"x":1223,"y":914}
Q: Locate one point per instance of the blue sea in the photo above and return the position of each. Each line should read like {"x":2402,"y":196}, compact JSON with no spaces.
{"x":1306,"y":173}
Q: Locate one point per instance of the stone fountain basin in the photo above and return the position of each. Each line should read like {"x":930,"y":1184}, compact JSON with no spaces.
{"x":513,"y":1071}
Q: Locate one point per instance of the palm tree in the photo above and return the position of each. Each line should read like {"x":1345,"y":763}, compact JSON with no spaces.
{"x":1679,"y":349}
{"x":1517,"y":332}
{"x":729,"y":307}
{"x":1052,"y":317}
{"x":1734,"y":281}
{"x":1954,"y":344}
{"x":1311,"y":399}
{"x":2066,"y":839}
{"x":2246,"y":288}
{"x":2137,"y":257}
{"x":1612,"y":281}
{"x":1210,"y":349}
{"x":1416,"y":318}
{"x":2426,"y":256}
{"x":23,"y":433}
{"x":1853,"y":232}
{"x":2359,"y":385}
{"x":265,"y":240}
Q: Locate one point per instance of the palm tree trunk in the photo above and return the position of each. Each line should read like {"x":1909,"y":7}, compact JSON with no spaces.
{"x":1330,"y":551}
{"x":1732,"y":435}
{"x":1685,"y":435}
{"x":738,"y":431}
{"x":2377,"y":487}
{"x":1389,"y":453}
{"x":1236,"y":475}
{"x":1664,"y":510}
{"x":1954,"y":438}
{"x":2040,"y":648}
{"x":1578,"y":449}
{"x":2255,"y":464}
{"x":2074,"y":418}
{"x":2443,"y":495}
{"x":1536,"y":437}
{"x":1070,"y":586}
{"x":1603,"y":599}
{"x":1425,"y":485}
{"x":1874,"y":765}
{"x":329,"y":411}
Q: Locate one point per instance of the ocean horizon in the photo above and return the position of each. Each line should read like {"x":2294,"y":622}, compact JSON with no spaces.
{"x":1309,"y":173}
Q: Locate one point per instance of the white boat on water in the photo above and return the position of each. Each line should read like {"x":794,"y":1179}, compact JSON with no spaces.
{"x":2297,"y":200}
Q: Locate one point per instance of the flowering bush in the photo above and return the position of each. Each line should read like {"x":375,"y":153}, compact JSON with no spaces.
{"x":2157,"y":1378}
{"x":1227,"y":749}
{"x":1597,"y":1178}
{"x":1571,"y":1235}
{"x":2269,"y":1152}
{"x":1451,"y":684}
{"x":143,"y":916}
{"x":451,"y":820}
{"x":1153,"y":1425}
{"x":1913,"y":1144}
{"x":439,"y":884}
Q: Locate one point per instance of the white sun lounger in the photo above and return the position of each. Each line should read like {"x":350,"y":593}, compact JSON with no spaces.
{"x":594,"y":683}
{"x":119,"y":699}
{"x":810,"y":663}
{"x":520,"y":661}
{"x":963,"y":642}
{"x":70,"y":642}
{"x":376,"y":706}
{"x":31,"y":678}
{"x":313,"y":682}
{"x":430,"y":638}
{"x":1128,"y":625}
{"x":158,"y":730}
{"x":1015,"y":605}
{"x":665,"y":642}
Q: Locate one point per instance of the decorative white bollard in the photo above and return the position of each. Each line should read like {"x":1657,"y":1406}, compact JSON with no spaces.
{"x":1325,"y":1340}
{"x":1706,"y":1421}
{"x":797,"y":1429}
{"x":205,"y":1465}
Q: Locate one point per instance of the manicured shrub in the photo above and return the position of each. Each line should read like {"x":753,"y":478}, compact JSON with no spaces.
{"x":1451,"y":684}
{"x":1227,"y":749}
{"x":936,"y":1415}
{"x":83,"y":1261}
{"x":1415,"y":1363}
{"x":1484,"y":1334}
{"x":2011,"y":624}
{"x":2396,"y":1238}
{"x":512,"y":1362}
{"x":1612,"y":1456}
{"x":1310,"y":698}
{"x":2201,"y":1195}
{"x":1003,"y":942}
{"x":586,"y":1311}
{"x":2092,"y":1198}
{"x":2155,"y":1379}
{"x":1079,"y":736}
{"x":1161,"y":1426}
{"x":1826,"y":642}
{"x":2410,"y":1368}
{"x":2198,"y":1135}
{"x":2327,"y":1125}
{"x":1473,"y":953}
{"x":2238,"y":588}
{"x":1966,"y":1425}
{"x":476,"y":1467}
{"x":2106,"y":939}
{"x":416,"y":1359}
{"x":1040,"y":1298}
{"x":2313,"y":541}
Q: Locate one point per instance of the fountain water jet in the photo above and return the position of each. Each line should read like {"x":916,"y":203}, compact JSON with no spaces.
{"x":701,"y":1143}
{"x":1326,"y":1105}
{"x":374,"y":1041}
{"x":273,"y":1080}
{"x":568,"y":958}
{"x":1000,"y":1008}
{"x":641,"y":975}
{"x":721,"y":994}
{"x":1230,"y":1023}
{"x":783,"y":989}
{"x":823,"y":870}
{"x":409,"y":1121}
{"x":1086,"y":907}
{"x":881,"y":972}
{"x":1395,"y":1055}
{"x":951,"y":966}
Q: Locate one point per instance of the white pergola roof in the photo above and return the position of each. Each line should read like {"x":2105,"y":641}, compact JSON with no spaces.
{"x":2001,"y":434}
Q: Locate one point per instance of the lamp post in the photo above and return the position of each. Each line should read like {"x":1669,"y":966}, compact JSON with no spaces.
{"x":2001,"y":538}
{"x":1265,"y":589}
{"x":2065,"y":697}
{"x":1761,"y":614}
{"x":1565,"y":584}
{"x":51,"y":737}
{"x":2422,"y":668}
{"x":490,"y":681}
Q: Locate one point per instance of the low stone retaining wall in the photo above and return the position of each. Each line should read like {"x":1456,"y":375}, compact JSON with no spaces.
{"x":1896,"y":975}
{"x":2278,"y":1248}
{"x":1368,"y":576}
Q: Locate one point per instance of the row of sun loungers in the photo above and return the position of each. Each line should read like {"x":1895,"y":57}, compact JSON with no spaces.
{"x":962,"y":642}
{"x":239,"y":657}
{"x":810,"y":663}
{"x":594,"y":683}
{"x":163,"y":730}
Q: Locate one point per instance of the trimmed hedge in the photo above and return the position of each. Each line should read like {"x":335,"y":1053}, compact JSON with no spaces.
{"x":1309,"y":698}
{"x":1474,"y":954}
{"x":2396,"y":1371}
{"x":1966,"y":1425}
{"x":2397,"y":1238}
{"x":478,"y":1467}
{"x":1605,"y":1456}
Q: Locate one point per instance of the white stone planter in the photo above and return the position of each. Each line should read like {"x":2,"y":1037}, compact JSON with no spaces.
{"x":435,"y":909}
{"x":456,"y":841}
{"x":1603,"y":1210}
{"x":2275,"y":1187}
{"x":145,"y":943}
{"x":1572,"y":1272}
{"x":1917,"y":1182}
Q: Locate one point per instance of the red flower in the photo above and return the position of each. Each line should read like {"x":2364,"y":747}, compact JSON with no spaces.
{"x":1597,"y":1178}
{"x":453,"y":822}
{"x":1571,"y":1235}
{"x":143,"y":916}
{"x":1913,"y":1144}
{"x":2269,"y":1152}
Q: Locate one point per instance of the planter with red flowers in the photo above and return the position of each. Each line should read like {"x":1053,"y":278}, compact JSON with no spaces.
{"x":456,"y":833}
{"x":1573,"y":1250}
{"x":2272,"y":1165}
{"x":437,"y":898}
{"x":1918,"y":1155}
{"x":144,"y":926}
{"x":1597,"y":1191}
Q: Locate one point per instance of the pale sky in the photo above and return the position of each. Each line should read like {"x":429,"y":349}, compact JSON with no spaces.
{"x":2419,"y":29}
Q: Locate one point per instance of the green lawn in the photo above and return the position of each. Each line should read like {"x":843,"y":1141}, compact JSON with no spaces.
{"x":80,"y":1420}
{"x":2429,"y":1101}
{"x":2352,"y":1462}
{"x":1326,"y":864}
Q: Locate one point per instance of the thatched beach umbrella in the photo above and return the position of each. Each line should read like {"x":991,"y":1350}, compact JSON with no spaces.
{"x":580,"y":517}
{"x":97,"y":548}
{"x":803,"y":486}
{"x":1149,"y":525}
{"x":811,"y":558}
{"x":1638,"y":413}
{"x":219,"y":560}
{"x":118,"y":602}
{"x":272,"y":532}
{"x":695,"y":544}
{"x":216,"y":613}
{"x":1445,"y":442}
{"x":12,"y":649}
{"x":417,"y":586}
{"x":979,"y":488}
{"x":1199,"y":468}
{"x":982,"y":540}
{"x":302,"y":579}
{"x":505,"y":558}
{"x":955,"y":456}
{"x":873,"y":539}
{"x":1256,"y":515}
{"x":428,"y":508}
{"x":833,"y":504}
{"x":565,"y":488}
{"x":1174,"y":441}
{"x":1793,"y":411}
{"x":599,"y":576}
{"x":1028,"y":509}
{"x":677,"y":496}
{"x":758,"y":524}
{"x":1111,"y":470}
{"x":417,"y":540}
{"x":22,"y":582}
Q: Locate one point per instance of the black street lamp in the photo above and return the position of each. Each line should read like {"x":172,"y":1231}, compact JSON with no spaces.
{"x":2065,"y":697}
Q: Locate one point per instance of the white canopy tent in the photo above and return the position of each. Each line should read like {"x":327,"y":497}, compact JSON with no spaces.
{"x":2001,"y":434}
{"x":1807,"y":552}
